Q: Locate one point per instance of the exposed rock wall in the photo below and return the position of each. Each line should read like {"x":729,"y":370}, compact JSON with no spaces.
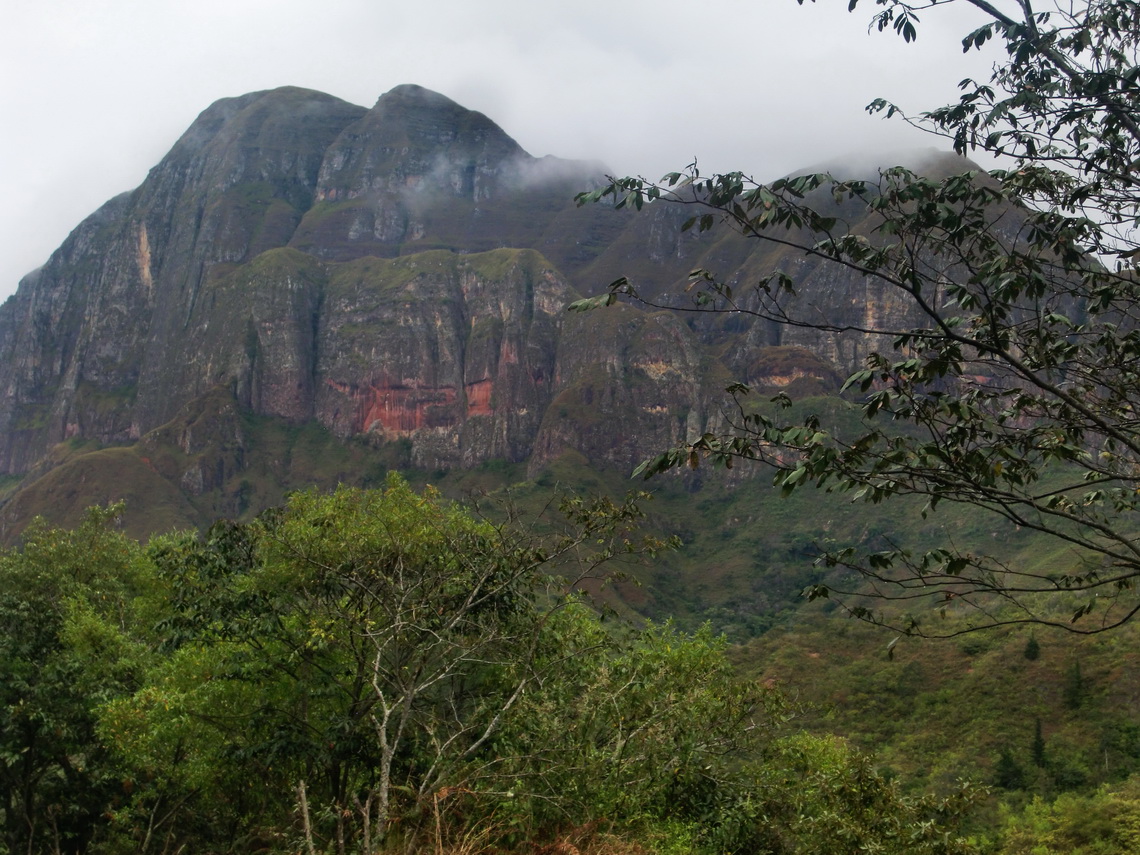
{"x":393,"y":273}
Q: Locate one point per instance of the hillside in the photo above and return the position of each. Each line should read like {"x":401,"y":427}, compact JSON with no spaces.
{"x":306,"y":292}
{"x":396,"y":276}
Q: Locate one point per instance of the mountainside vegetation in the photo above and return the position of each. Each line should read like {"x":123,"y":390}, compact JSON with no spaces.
{"x":381,"y":671}
{"x":226,"y":625}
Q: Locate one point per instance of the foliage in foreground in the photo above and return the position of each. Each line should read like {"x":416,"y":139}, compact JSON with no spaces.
{"x":1106,"y":822}
{"x":1010,"y":381}
{"x":373,"y":671}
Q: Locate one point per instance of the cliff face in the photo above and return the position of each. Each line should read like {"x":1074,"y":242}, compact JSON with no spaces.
{"x":454,"y":353}
{"x":92,"y":344}
{"x":396,"y":274}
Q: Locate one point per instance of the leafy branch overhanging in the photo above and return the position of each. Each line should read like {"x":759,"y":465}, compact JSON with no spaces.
{"x":1017,"y":387}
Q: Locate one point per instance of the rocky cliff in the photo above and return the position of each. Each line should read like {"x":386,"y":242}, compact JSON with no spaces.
{"x":394,"y":276}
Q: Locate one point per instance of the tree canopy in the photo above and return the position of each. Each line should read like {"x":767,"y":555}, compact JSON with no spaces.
{"x":380,"y":671}
{"x":1017,"y":390}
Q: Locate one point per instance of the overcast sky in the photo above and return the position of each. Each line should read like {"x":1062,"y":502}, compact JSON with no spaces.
{"x":94,"y":92}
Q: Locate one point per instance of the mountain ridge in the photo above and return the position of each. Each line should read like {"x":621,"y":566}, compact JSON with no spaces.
{"x":395,"y":274}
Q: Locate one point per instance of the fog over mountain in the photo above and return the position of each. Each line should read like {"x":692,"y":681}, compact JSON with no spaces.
{"x":93,"y":94}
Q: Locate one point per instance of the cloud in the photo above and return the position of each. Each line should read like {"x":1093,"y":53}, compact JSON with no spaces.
{"x":96,"y":91}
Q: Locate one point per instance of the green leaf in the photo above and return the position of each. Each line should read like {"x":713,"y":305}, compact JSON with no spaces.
{"x":588,"y":304}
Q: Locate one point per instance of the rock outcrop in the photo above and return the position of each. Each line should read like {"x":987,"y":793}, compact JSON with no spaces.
{"x":393,"y":275}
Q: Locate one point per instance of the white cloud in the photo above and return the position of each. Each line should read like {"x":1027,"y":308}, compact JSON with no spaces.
{"x":95,"y":91}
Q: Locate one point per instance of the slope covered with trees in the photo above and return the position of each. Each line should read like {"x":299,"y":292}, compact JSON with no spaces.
{"x":382,"y":671}
{"x":378,"y":671}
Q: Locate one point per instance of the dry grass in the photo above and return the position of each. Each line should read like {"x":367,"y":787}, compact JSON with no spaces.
{"x":588,"y":839}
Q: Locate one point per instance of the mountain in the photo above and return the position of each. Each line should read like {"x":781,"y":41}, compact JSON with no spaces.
{"x":389,"y":280}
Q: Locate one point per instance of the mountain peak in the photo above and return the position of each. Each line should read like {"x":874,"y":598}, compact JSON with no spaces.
{"x":236,"y":116}
{"x":413,"y":94}
{"x":426,"y":118}
{"x":415,"y":139}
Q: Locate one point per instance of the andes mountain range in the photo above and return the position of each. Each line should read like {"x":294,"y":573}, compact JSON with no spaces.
{"x":307,"y":292}
{"x":386,"y":282}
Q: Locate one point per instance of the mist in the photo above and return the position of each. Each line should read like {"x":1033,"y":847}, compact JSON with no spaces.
{"x":95,"y":94}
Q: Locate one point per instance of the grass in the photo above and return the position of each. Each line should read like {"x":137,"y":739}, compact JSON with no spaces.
{"x":106,"y":402}
{"x":100,"y":477}
{"x":498,"y":264}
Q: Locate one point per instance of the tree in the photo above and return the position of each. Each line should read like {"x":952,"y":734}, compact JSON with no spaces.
{"x":1037,"y":748}
{"x":1074,"y":690}
{"x":1015,"y":387}
{"x":657,"y":725}
{"x":380,"y":671}
{"x":1008,"y":773}
{"x":67,"y":604}
{"x":1105,"y":822}
{"x":356,"y":654}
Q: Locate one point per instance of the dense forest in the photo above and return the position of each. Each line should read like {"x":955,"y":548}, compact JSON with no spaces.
{"x":384,"y":670}
{"x":380,"y":670}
